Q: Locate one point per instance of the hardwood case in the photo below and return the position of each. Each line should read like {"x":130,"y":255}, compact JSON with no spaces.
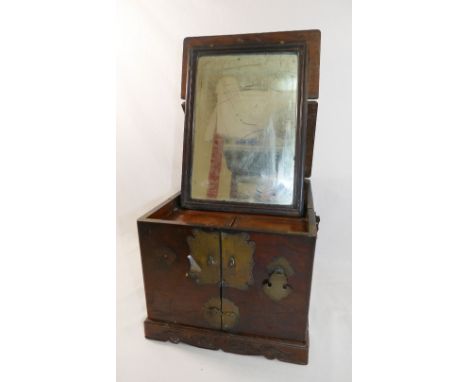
{"x":234,"y":280}
{"x":236,"y":302}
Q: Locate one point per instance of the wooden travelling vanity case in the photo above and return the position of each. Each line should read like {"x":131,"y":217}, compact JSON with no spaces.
{"x":227,"y":262}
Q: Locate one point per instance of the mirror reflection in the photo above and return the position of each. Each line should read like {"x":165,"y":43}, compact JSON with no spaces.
{"x":244,"y":128}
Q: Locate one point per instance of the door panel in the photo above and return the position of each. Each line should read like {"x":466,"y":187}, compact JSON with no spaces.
{"x":180,"y":290}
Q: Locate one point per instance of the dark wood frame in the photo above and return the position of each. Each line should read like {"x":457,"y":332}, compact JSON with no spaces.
{"x":311,"y":37}
{"x":296,"y":208}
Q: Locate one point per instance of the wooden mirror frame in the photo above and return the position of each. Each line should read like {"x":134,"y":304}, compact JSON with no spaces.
{"x":191,"y":54}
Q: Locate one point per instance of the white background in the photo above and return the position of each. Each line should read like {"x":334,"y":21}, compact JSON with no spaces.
{"x":150,"y":126}
{"x":57,"y":196}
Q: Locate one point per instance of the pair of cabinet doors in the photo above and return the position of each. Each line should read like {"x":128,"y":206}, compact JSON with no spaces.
{"x":252,"y":283}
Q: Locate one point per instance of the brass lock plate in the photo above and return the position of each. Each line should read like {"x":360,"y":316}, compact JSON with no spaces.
{"x":212,"y":312}
{"x":204,"y":257}
{"x":221,"y":313}
{"x":237,"y":258}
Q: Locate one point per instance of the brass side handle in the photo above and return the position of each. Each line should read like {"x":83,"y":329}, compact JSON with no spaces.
{"x":276,"y":286}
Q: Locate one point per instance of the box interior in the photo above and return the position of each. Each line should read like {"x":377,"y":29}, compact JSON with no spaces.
{"x":171,"y":211}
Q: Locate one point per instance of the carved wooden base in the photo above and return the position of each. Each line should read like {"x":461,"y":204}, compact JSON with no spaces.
{"x":271,"y":348}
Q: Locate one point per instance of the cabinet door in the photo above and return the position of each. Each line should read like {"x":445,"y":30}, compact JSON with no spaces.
{"x":182,"y":273}
{"x":273,"y":300}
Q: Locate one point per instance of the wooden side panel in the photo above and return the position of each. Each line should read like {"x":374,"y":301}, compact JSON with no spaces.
{"x":310,"y":136}
{"x":311,"y":37}
{"x":261,"y":315}
{"x":171,"y":294}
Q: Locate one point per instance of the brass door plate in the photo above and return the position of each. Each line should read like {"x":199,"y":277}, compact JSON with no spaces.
{"x":204,"y":257}
{"x":235,"y":251}
{"x":237,"y":257}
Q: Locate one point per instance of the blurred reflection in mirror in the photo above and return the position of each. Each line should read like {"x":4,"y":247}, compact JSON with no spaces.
{"x":244,"y":128}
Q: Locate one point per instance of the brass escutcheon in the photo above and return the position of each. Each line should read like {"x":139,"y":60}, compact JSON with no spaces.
{"x":237,"y":257}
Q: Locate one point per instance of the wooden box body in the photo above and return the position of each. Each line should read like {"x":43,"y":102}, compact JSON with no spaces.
{"x":230,"y":308}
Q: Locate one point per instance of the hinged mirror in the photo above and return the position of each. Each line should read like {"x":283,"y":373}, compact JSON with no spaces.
{"x":245,"y":126}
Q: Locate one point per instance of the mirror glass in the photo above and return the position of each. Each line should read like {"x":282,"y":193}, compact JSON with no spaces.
{"x":244,"y":128}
